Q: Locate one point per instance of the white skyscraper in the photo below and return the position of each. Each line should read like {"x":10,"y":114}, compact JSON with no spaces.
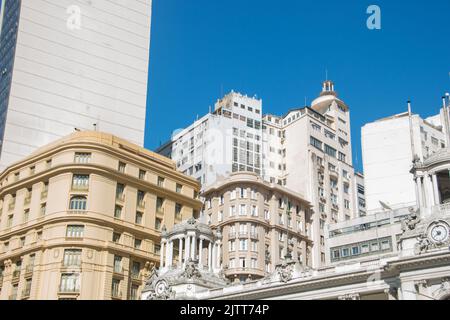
{"x":308,"y":151}
{"x":388,"y":156}
{"x":69,"y":64}
{"x":225,"y":141}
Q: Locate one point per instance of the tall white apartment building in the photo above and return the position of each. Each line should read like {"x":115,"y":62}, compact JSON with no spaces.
{"x":227,"y":140}
{"x":308,"y":151}
{"x":388,"y":156}
{"x":68,"y":64}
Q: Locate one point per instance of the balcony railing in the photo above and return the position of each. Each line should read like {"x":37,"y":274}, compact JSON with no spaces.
{"x":16,"y":274}
{"x":160,"y":210}
{"x":13,"y":297}
{"x":141,"y":204}
{"x":254,"y":235}
{"x":27,"y":200}
{"x":120,"y":197}
{"x":243,"y":234}
{"x":29,"y":268}
{"x":116,"y":294}
{"x":118,"y":270}
{"x":11,"y":206}
{"x":69,"y":289}
{"x":232,"y":235}
{"x":78,"y":211}
{"x":44,"y":194}
{"x":80,"y":187}
{"x":135,"y":276}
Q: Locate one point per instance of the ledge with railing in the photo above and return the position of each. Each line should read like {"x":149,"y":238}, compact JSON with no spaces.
{"x":116,"y":294}
{"x":16,"y":274}
{"x":69,"y":290}
{"x":29,"y":269}
{"x":26,"y":293}
{"x":78,"y":187}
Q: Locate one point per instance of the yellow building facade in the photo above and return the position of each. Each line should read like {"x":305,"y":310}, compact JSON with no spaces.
{"x":81,"y":218}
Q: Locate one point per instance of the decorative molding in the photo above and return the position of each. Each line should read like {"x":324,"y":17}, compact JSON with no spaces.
{"x":350,"y":296}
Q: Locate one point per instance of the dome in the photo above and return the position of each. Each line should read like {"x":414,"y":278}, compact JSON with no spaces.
{"x":326,"y":98}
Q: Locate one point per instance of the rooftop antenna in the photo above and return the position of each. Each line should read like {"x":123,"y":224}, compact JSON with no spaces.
{"x":413,"y":150}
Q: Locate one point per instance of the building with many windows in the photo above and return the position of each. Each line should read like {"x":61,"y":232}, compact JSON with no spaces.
{"x":227,"y":140}
{"x":389,"y":146}
{"x":261,"y":223}
{"x":81,"y":218}
{"x":67,"y":64}
{"x":307,"y":151}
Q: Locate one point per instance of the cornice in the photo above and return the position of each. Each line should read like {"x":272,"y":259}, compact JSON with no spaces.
{"x":102,"y":171}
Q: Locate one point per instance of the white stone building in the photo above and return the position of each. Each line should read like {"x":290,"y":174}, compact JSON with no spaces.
{"x":387,"y":147}
{"x":418,"y":268}
{"x":68,"y":64}
{"x":227,"y":140}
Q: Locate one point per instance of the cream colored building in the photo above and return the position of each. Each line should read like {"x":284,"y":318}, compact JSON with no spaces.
{"x":258,"y":222}
{"x":81,"y":217}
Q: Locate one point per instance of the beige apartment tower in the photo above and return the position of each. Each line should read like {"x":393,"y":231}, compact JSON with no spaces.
{"x":81,"y":218}
{"x":260,"y":223}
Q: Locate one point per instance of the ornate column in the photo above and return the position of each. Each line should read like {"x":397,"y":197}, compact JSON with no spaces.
{"x":214,"y":255}
{"x":429,"y":191}
{"x":187,"y":249}
{"x":419,"y":192}
{"x":180,"y":251}
{"x":218,"y":255}
{"x":210,"y":256}
{"x":161,"y":254}
{"x":437,"y":199}
{"x":193,"y":247}
{"x":200,"y":253}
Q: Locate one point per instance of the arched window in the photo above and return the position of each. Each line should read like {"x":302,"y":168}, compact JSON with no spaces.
{"x":78,"y":203}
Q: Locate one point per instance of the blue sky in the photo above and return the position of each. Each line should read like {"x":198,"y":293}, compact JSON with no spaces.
{"x":279,"y":50}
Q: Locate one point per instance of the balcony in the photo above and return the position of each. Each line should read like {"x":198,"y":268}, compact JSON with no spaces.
{"x":231,"y":235}
{"x":16,"y":275}
{"x":11,"y":206}
{"x":118,"y":271}
{"x":27,"y":200}
{"x":77,"y":212}
{"x":253,"y":235}
{"x":80,"y":187}
{"x":44,"y":194}
{"x":26,"y":293}
{"x":135,"y":276}
{"x":243,"y":234}
{"x":13,"y":297}
{"x":69,"y":290}
{"x":141,"y":204}
{"x":120,"y":197}
{"x":116,"y":294}
{"x":160,"y":210}
{"x":29,"y":269}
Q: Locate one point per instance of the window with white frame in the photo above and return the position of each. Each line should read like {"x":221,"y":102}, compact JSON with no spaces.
{"x":232,"y":211}
{"x":70,"y":282}
{"x":242,"y":210}
{"x":72,"y":257}
{"x":75,"y":231}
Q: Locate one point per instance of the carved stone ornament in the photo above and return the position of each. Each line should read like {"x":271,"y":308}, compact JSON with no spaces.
{"x":350,"y":296}
{"x":191,"y":271}
{"x":149,"y":272}
{"x":411,"y":221}
{"x":285,"y":271}
{"x":423,"y":245}
{"x":445,"y":284}
{"x":191,"y":221}
{"x":162,"y":291}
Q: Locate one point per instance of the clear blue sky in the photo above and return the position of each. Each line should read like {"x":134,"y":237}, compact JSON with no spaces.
{"x":279,"y":50}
